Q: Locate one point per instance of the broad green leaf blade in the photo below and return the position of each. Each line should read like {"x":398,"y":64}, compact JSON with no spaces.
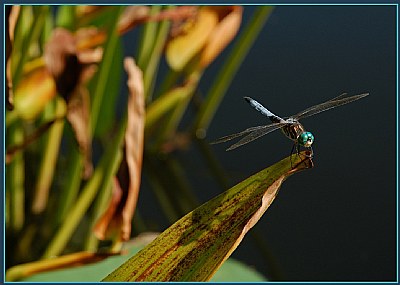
{"x":195,"y":247}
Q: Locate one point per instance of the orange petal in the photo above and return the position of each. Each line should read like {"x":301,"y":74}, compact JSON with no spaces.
{"x":103,"y":226}
{"x":222,"y":35}
{"x":181,"y":49}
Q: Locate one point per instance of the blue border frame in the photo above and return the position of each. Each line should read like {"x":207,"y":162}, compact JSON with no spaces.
{"x":293,"y":2}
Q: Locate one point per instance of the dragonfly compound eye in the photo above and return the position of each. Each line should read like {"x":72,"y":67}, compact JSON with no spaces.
{"x":306,"y":139}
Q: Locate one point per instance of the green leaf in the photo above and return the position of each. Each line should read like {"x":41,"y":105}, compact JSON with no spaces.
{"x":195,"y":247}
{"x":102,"y":79}
{"x":112,"y":89}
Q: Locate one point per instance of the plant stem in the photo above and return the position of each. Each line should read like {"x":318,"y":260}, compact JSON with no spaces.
{"x":16,"y":179}
{"x":50,"y":153}
{"x":87,"y":195}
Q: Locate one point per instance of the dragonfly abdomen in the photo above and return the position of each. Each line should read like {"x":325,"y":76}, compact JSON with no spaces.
{"x":253,"y":103}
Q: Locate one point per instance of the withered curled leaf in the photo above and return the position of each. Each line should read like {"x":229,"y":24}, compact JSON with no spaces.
{"x":118,"y":216}
{"x":70,"y":58}
{"x":12,"y":13}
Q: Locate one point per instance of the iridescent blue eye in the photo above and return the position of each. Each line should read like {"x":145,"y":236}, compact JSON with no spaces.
{"x":306,"y":139}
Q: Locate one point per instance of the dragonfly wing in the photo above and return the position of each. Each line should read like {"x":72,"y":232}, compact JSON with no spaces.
{"x":233,"y":136}
{"x":335,"y":102}
{"x":255,"y":134}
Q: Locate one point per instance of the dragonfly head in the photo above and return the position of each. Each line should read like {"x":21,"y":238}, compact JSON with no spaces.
{"x":305,"y":139}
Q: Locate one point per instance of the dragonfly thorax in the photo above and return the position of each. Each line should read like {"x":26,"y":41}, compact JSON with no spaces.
{"x":296,"y":132}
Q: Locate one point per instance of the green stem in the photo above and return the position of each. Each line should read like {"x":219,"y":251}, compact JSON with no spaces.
{"x":148,"y":37}
{"x":50,"y":153}
{"x":15,"y":179}
{"x":171,"y":123}
{"x":87,"y":195}
{"x":40,"y":13}
{"x":104,"y":70}
{"x":150,"y":72}
{"x":72,"y":184}
{"x":101,"y":201}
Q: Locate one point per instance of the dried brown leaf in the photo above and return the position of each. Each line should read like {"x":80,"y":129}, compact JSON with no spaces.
{"x":134,"y":138}
{"x":70,"y":58}
{"x":104,"y":225}
{"x":12,"y":13}
{"x":132,"y":16}
{"x":135,"y":15}
{"x":67,"y":56}
{"x":78,"y":116}
{"x":89,"y":37}
{"x":176,"y":14}
{"x":118,"y":216}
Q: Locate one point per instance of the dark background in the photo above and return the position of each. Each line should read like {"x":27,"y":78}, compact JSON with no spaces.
{"x":336,"y":222}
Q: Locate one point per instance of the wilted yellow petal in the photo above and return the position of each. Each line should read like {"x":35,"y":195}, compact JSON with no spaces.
{"x":34,"y":91}
{"x":183,"y":48}
{"x":222,"y":35}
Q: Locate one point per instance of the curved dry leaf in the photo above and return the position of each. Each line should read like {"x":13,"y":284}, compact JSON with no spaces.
{"x":176,"y":14}
{"x":67,"y":56}
{"x":89,"y":37}
{"x":132,"y":16}
{"x":70,"y":58}
{"x":78,"y":116}
{"x":181,"y":49}
{"x":222,"y":35}
{"x":61,"y":43}
{"x":12,"y":13}
{"x":134,"y":138}
{"x":135,"y":15}
{"x":104,"y":225}
{"x":118,"y":216}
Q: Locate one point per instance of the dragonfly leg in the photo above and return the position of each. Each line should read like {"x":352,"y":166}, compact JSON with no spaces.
{"x":311,"y":152}
{"x":295,"y":145}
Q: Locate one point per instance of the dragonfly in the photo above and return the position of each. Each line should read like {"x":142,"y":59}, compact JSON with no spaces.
{"x":290,"y":126}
